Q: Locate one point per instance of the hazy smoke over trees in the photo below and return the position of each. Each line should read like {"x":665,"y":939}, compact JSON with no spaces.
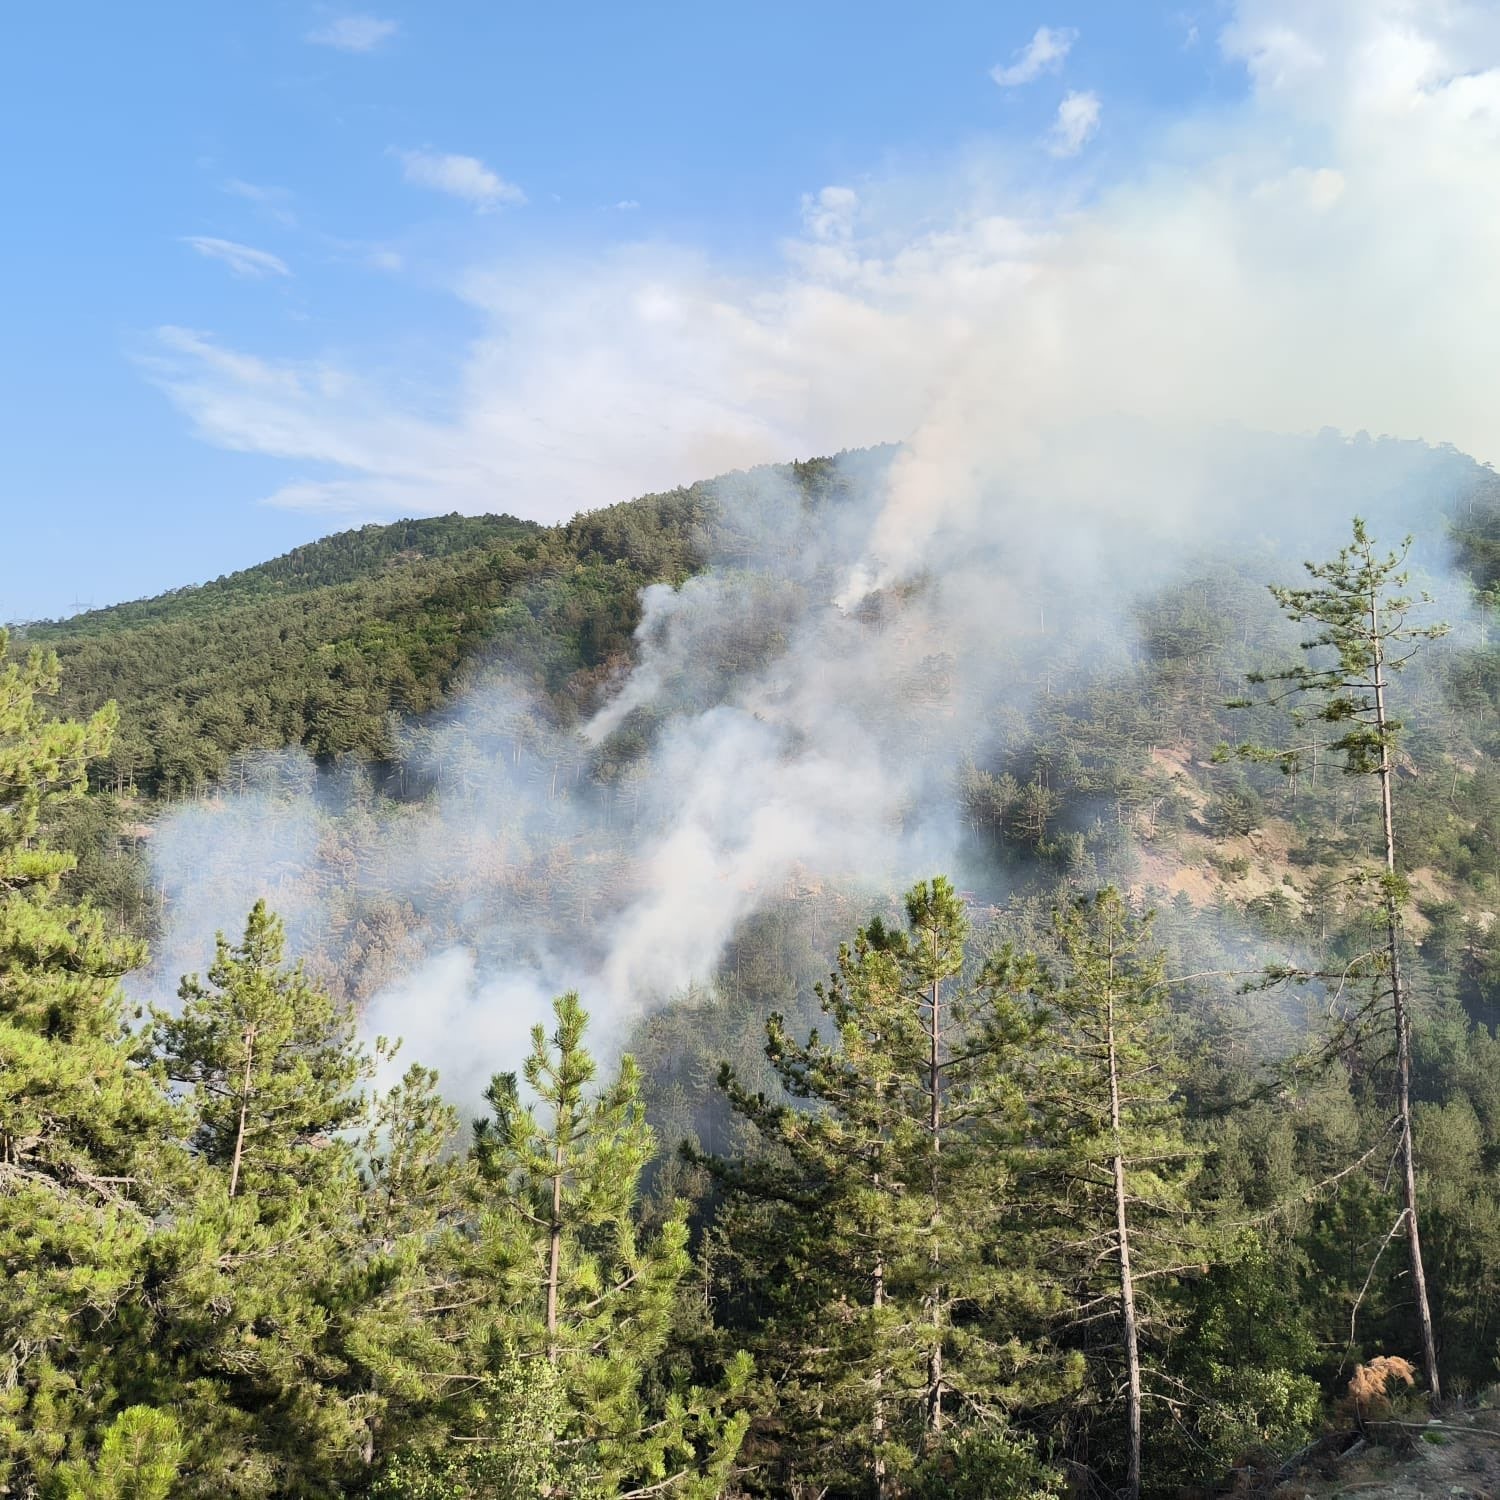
{"x":1062,"y":371}
{"x":770,"y":740}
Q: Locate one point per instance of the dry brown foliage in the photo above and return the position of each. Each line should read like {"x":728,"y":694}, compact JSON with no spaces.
{"x":1369,"y":1390}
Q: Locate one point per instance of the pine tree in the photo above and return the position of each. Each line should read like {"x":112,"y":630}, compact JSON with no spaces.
{"x":865,"y":1215}
{"x":1107,"y":1175}
{"x":572,"y":1282}
{"x":1362,"y":636}
{"x":270,"y":1287}
{"x":270,"y":1061}
{"x":84,"y":1126}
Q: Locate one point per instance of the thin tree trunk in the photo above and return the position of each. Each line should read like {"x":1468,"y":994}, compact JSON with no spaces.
{"x":877,"y":1424}
{"x":554,"y":1248}
{"x":935,"y":1352}
{"x":1127,"y":1281}
{"x":877,"y":1302}
{"x":239,"y":1137}
{"x":1402,"y":1020}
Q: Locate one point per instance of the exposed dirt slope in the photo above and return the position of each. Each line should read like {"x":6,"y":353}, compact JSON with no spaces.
{"x":1456,"y":1457}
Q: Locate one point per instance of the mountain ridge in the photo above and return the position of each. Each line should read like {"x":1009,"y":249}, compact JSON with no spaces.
{"x":339,"y":557}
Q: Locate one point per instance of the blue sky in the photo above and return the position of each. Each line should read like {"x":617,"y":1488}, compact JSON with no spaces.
{"x":315,"y":186}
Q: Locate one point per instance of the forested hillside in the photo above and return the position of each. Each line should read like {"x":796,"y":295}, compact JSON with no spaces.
{"x":1084,"y":1172}
{"x":345,"y":557}
{"x":322,"y":646}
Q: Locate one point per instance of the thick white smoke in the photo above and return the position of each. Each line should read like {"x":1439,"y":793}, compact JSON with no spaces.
{"x":791,"y":743}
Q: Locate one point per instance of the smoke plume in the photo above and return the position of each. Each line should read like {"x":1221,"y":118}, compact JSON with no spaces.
{"x":1085,"y":371}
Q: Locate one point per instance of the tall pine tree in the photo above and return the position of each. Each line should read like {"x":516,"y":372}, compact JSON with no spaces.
{"x":569,"y":1280}
{"x":270,"y":1061}
{"x":269,"y":1287}
{"x":83,"y":1164}
{"x":1362,"y":636}
{"x":863,"y":1218}
{"x":1105,"y":1181}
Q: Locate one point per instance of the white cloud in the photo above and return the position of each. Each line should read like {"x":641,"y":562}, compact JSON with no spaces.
{"x":1044,"y":53}
{"x":1076,"y":122}
{"x":1321,"y":252}
{"x":243,"y":260}
{"x":271,"y":201}
{"x":463,"y":177}
{"x":354,"y":33}
{"x":627,"y":205}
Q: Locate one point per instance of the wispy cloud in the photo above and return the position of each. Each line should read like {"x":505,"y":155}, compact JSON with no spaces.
{"x":830,"y":214}
{"x":1075,"y":125}
{"x":243,"y":260}
{"x":1044,"y":53}
{"x":1187,"y":21}
{"x":354,"y":33}
{"x":246,"y":371}
{"x":463,"y":177}
{"x":627,"y":205}
{"x":271,"y":201}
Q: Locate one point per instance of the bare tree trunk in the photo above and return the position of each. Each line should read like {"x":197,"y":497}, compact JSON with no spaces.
{"x":1127,"y":1281}
{"x":1402,"y":1019}
{"x":877,"y":1424}
{"x":935,"y":1352}
{"x":554,"y":1248}
{"x":877,"y":1302}
{"x":239,"y":1138}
